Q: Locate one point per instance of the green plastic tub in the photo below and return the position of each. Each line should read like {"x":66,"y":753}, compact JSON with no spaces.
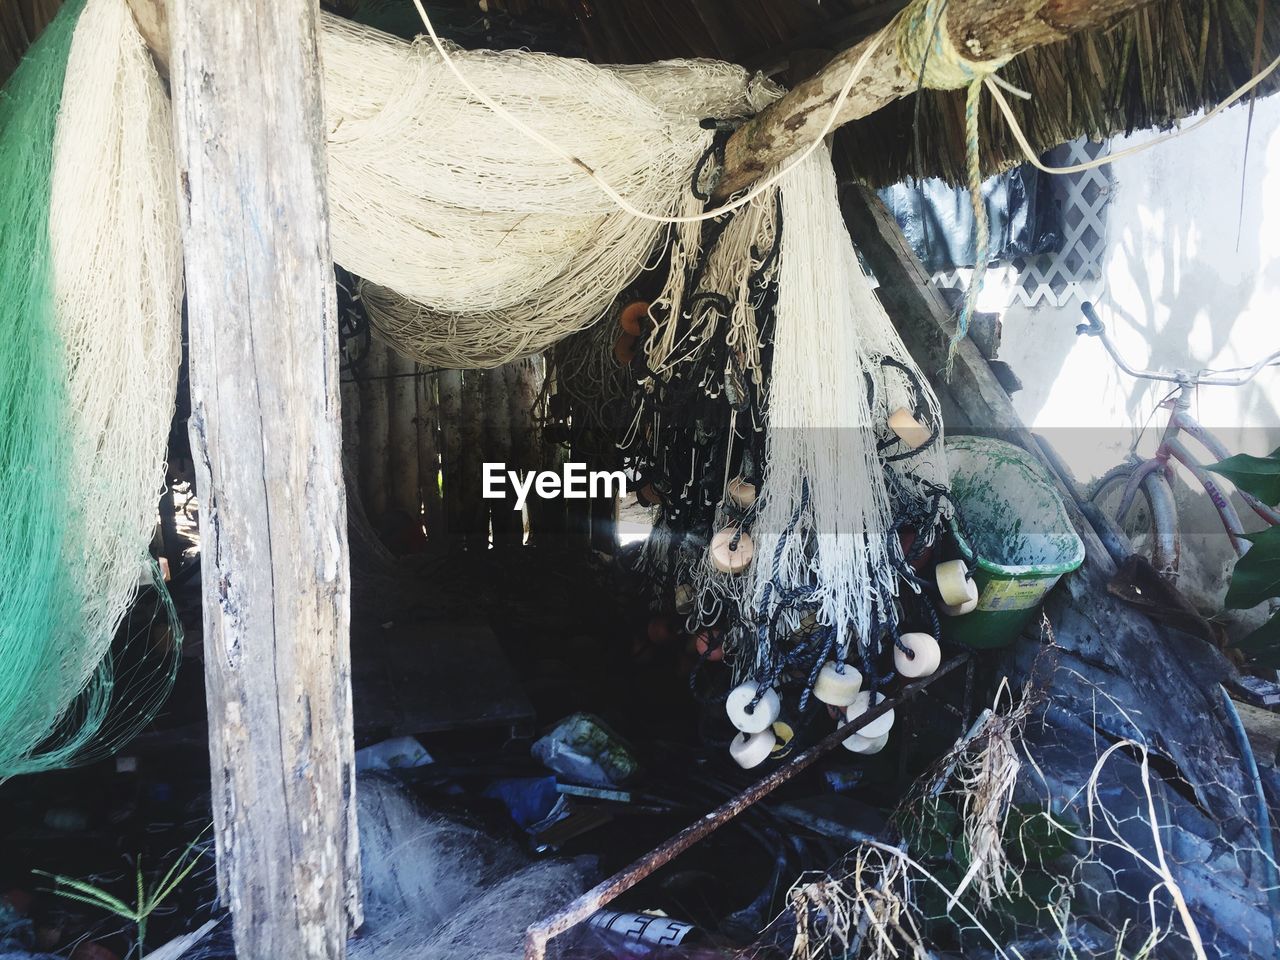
{"x":1023,"y":536}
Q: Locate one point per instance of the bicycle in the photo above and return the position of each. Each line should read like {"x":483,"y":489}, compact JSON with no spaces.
{"x":1152,"y":477}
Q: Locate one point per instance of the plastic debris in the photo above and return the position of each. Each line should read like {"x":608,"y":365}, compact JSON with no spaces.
{"x":583,"y":750}
{"x":398,"y":753}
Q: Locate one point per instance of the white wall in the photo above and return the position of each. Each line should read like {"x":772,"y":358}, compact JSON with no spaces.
{"x":1178,"y":293}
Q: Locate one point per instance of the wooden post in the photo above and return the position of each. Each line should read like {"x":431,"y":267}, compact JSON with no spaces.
{"x":506,"y":522}
{"x":375,"y":431}
{"x":475,"y":509}
{"x":449,"y":389}
{"x":428,"y":421}
{"x":403,"y":496}
{"x":266,"y":439}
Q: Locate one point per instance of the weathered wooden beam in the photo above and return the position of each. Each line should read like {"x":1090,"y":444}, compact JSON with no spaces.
{"x":266,"y":439}
{"x":983,"y":29}
{"x":403,"y":496}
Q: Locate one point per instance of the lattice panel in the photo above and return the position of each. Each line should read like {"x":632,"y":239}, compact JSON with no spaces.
{"x":1075,"y":272}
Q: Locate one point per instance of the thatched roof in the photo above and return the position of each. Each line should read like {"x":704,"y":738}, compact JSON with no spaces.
{"x":1170,"y":59}
{"x":1154,"y":67}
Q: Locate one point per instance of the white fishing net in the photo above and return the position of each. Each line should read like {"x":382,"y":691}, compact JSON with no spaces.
{"x":117,"y":270}
{"x":435,"y":889}
{"x":477,"y":244}
{"x":827,"y":515}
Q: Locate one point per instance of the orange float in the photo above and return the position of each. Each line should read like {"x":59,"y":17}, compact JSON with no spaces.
{"x":624,"y":349}
{"x":633,"y":317}
{"x":702,"y":643}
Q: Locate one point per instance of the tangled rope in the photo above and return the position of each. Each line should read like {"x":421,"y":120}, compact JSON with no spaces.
{"x":930,"y":56}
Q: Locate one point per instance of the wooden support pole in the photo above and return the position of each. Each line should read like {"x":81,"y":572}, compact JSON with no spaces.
{"x":428,"y":422}
{"x":403,"y":496}
{"x":475,"y":509}
{"x":982,"y":29}
{"x":266,"y":439}
{"x":375,"y":432}
{"x":449,"y":389}
{"x":505,"y":521}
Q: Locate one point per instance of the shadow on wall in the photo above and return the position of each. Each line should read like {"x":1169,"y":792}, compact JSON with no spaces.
{"x":1178,"y":293}
{"x":1192,"y":280}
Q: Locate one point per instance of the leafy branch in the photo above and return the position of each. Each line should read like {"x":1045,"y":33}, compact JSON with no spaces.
{"x":1257,"y":575}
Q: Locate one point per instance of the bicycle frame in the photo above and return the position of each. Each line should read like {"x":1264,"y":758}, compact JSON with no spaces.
{"x":1172,"y":448}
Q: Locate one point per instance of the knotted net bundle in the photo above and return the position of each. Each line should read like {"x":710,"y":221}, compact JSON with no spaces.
{"x":476,"y":243}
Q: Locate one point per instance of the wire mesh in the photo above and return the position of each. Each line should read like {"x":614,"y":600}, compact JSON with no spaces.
{"x":1048,"y":832}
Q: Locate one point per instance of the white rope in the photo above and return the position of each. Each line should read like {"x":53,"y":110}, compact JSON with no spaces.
{"x":1020,"y":136}
{"x":873,"y":43}
{"x":729,"y":269}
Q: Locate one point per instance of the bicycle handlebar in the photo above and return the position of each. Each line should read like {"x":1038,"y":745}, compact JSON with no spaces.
{"x":1096,"y":328}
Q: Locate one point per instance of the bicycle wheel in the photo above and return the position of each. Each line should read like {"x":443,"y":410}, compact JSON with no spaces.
{"x":1150,"y":524}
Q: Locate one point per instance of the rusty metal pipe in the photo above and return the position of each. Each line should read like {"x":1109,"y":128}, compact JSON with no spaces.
{"x":537,"y":935}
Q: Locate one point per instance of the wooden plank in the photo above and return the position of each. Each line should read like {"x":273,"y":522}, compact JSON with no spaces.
{"x":428,"y":421}
{"x":266,"y":439}
{"x":1168,"y":679}
{"x":985,"y":29}
{"x":404,"y":500}
{"x":449,"y":387}
{"x":375,"y":431}
{"x":475,"y":509}
{"x":973,"y":398}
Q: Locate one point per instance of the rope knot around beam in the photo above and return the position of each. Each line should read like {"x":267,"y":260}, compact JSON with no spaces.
{"x":928,"y":53}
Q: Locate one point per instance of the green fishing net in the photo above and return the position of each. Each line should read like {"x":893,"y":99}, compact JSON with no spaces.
{"x":61,"y":701}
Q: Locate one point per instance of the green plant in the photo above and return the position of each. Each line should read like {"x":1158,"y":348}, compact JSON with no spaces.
{"x":1257,"y":575}
{"x":147,"y":900}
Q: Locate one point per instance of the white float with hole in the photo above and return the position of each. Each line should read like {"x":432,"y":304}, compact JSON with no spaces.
{"x":866,"y":745}
{"x":728,"y":556}
{"x":837,"y":684}
{"x":967,"y":606}
{"x":954,"y":583}
{"x":752,"y":749}
{"x":750,"y":719}
{"x":921,"y":658}
{"x":863,"y":703}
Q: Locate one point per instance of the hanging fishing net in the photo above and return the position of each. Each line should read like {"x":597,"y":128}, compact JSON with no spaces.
{"x":478,"y":244}
{"x":90,"y":263}
{"x":793,"y":507}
